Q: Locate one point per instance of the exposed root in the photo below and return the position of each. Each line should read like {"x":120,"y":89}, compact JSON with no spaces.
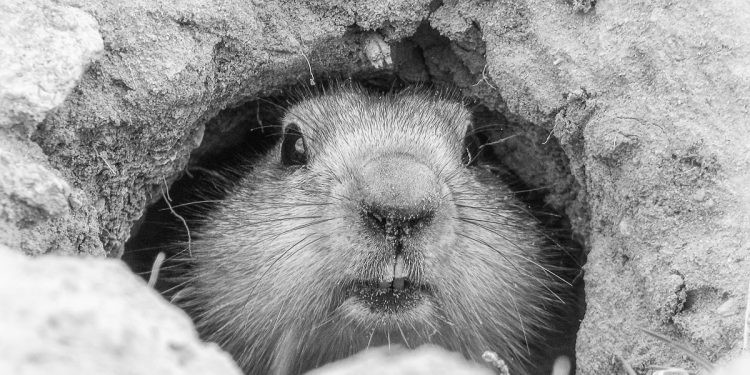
{"x":168,"y":201}
{"x":485,"y":79}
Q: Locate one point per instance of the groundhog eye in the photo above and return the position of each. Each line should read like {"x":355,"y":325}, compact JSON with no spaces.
{"x":293,"y":146}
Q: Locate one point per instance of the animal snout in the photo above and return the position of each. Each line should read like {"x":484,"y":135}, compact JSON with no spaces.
{"x":399,"y":194}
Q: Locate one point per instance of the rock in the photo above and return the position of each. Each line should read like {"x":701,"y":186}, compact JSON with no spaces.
{"x":46,"y":47}
{"x":63,"y":315}
{"x":39,"y":211}
{"x":739,"y":366}
{"x":421,"y":361}
{"x":33,"y":185}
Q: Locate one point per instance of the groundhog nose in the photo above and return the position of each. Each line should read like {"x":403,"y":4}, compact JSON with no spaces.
{"x":398,"y":192}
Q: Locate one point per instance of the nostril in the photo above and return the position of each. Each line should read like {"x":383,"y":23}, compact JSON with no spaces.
{"x":398,"y":221}
{"x":375,"y":219}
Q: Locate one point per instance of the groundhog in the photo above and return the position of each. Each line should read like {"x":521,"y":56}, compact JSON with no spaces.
{"x":370,"y":224}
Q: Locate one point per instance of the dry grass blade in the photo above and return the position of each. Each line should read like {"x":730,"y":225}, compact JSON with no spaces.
{"x":689,"y":352}
{"x":625,"y":365}
{"x":154,"y":276}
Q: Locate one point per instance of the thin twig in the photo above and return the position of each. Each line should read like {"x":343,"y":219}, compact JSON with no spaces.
{"x":168,"y":200}
{"x":549,"y":136}
{"x":484,"y":78}
{"x":501,"y":140}
{"x":312,"y":77}
{"x":106,"y":162}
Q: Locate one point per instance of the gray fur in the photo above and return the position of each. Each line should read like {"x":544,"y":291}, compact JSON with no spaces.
{"x":270,"y":262}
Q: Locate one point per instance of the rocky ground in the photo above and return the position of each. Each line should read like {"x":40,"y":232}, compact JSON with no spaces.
{"x":634,"y":116}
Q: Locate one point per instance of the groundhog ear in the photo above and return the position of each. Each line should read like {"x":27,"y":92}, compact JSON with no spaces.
{"x":293,"y":146}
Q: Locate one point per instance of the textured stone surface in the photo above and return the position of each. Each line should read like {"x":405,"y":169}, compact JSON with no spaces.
{"x":40,"y":212}
{"x":33,"y":185}
{"x":46,"y":48}
{"x":650,"y":102}
{"x":64,"y":315}
{"x":424,"y":360}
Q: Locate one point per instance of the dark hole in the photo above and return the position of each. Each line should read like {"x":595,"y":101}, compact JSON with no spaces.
{"x":233,"y":138}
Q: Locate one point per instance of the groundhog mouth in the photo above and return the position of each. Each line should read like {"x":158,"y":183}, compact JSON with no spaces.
{"x":389,"y":297}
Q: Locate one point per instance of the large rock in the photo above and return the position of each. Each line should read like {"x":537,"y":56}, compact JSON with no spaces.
{"x":425,"y":360}
{"x":64,"y":315}
{"x":46,"y":47}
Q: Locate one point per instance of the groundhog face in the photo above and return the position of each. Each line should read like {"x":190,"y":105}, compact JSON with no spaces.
{"x":366,"y":226}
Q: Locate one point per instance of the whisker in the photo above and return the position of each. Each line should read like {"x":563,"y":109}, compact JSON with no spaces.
{"x":406,"y":342}
{"x":546,"y":270}
{"x":523,"y":273}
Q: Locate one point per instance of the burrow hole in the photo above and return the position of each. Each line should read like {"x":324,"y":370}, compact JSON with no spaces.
{"x":527,"y":156}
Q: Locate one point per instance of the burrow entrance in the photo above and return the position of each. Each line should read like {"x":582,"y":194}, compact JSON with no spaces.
{"x":526,"y":155}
